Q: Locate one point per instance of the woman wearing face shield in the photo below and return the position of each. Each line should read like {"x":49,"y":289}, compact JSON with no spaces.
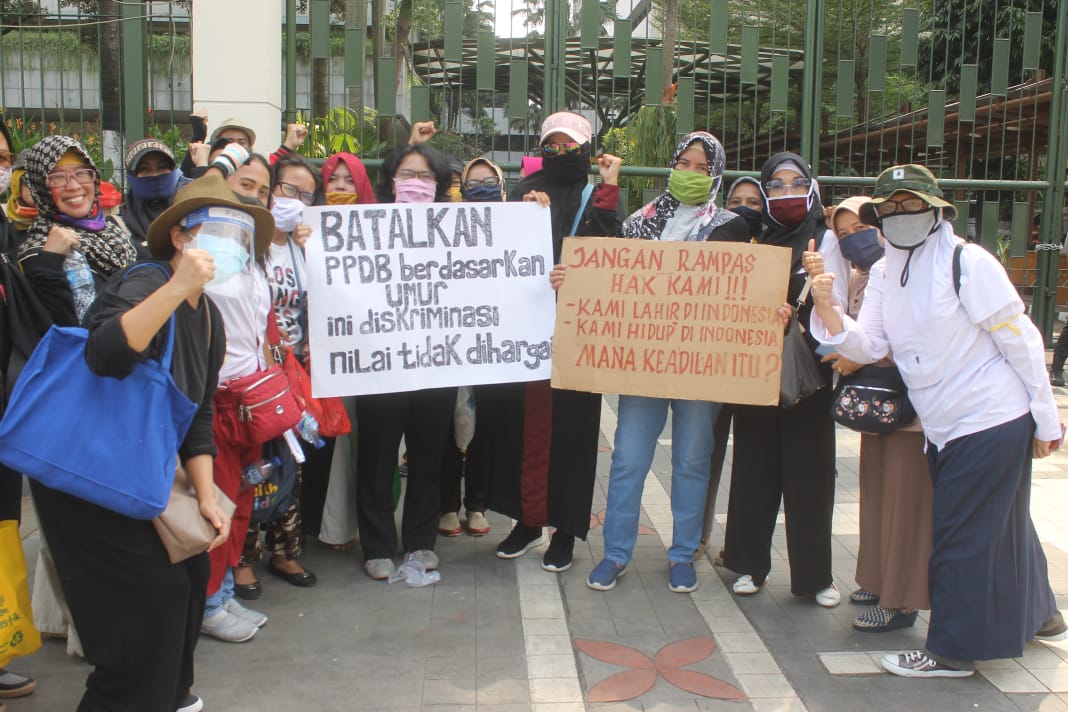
{"x":781,"y":454}
{"x":138,"y":614}
{"x":895,"y":482}
{"x":242,"y":294}
{"x":975,"y":368}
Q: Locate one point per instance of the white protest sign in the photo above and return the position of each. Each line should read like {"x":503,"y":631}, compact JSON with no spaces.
{"x":426,"y":295}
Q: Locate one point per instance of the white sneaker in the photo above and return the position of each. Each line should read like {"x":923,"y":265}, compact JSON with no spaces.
{"x":426,"y":557}
{"x":191,"y":703}
{"x":829,"y":597}
{"x":227,"y":627}
{"x":254,"y":617}
{"x":744,"y":586}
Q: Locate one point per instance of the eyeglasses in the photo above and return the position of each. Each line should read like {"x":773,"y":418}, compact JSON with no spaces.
{"x":491,"y":182}
{"x":291,"y":191}
{"x":908,"y":205}
{"x":776,"y":188}
{"x":59,"y":179}
{"x":408,"y":174}
{"x":555,"y":149}
{"x":7,"y":158}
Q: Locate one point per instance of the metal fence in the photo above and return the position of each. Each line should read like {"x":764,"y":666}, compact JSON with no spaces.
{"x":974,"y":89}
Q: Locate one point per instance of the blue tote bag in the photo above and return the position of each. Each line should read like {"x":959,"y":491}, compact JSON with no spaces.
{"x":110,"y":441}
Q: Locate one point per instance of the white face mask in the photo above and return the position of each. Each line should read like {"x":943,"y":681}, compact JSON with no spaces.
{"x":287,"y":213}
{"x":908,"y":230}
{"x":5,"y":178}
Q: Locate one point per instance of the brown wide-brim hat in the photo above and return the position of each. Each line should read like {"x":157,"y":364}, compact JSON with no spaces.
{"x":211,"y":190}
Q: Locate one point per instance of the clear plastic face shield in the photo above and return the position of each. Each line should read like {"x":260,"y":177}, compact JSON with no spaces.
{"x":227,"y":234}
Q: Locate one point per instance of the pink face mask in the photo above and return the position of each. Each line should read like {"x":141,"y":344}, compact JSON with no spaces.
{"x":414,"y":190}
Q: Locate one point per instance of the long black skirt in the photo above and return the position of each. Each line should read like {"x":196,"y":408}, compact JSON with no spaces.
{"x":543,"y":453}
{"x":990,"y":589}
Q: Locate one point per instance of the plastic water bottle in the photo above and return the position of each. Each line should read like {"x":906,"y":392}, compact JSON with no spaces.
{"x":259,"y":471}
{"x":308,"y":430}
{"x":81,"y":281}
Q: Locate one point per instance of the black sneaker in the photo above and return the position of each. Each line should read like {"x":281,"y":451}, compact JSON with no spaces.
{"x":1053,"y":630}
{"x":1056,"y":378}
{"x":920,"y":664}
{"x":559,"y":554}
{"x":519,"y":541}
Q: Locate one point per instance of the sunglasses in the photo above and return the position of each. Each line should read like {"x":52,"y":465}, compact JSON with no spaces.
{"x":555,"y":149}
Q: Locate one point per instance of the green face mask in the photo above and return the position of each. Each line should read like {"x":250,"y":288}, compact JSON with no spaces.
{"x":689,"y":188}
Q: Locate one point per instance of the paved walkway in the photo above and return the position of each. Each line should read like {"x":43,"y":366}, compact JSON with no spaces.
{"x":504,"y":636}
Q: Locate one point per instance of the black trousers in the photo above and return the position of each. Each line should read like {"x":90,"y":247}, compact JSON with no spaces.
{"x":138,"y":614}
{"x":10,"y":494}
{"x":787,"y":456}
{"x":471,"y":469}
{"x":423,"y":418}
{"x":1060,"y":351}
{"x":315,"y":475}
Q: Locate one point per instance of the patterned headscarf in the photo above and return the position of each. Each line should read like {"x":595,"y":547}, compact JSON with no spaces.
{"x":648,"y":223}
{"x":108,"y":249}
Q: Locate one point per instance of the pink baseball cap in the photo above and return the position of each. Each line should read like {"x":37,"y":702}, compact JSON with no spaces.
{"x":567,"y":122}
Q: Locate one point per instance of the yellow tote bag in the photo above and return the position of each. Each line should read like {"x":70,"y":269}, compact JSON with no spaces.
{"x":18,"y":636}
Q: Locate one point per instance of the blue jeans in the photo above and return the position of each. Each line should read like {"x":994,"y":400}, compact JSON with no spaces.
{"x":641,"y":421}
{"x":217,"y":601}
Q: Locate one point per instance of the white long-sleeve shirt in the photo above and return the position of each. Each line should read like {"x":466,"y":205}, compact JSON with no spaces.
{"x":970,"y":362}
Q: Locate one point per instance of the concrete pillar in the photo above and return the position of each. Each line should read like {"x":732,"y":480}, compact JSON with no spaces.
{"x":237,"y":65}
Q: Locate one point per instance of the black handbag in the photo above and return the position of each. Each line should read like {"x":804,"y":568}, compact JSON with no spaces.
{"x":873,"y":399}
{"x":801,"y":374}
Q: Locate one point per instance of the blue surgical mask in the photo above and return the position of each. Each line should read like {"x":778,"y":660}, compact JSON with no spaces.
{"x":862,"y":248}
{"x":483,"y":194}
{"x":752,"y":218}
{"x":154,"y":187}
{"x":229,"y":255}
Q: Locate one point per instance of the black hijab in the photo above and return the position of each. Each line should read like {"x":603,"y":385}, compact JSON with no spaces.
{"x":564,"y":188}
{"x":797,"y":236}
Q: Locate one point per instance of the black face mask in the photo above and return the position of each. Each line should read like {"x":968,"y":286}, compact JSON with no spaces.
{"x":567,"y":167}
{"x":248,"y":200}
{"x":752,"y":218}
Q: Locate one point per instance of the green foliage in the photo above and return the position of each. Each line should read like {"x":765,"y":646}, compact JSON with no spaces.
{"x":178,"y":144}
{"x":26,"y":133}
{"x":962,"y":32}
{"x":343,"y":130}
{"x":649,"y":139}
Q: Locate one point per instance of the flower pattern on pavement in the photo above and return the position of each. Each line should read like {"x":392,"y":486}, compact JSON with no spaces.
{"x":597,"y":520}
{"x":642,"y":671}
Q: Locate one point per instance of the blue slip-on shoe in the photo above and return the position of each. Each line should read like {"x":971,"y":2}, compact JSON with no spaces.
{"x":681,"y":577}
{"x":604,"y":575}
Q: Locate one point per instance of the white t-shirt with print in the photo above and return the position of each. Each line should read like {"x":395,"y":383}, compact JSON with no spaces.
{"x":288,"y":278}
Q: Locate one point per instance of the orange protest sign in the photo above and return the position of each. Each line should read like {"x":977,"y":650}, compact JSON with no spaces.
{"x":688,"y":320}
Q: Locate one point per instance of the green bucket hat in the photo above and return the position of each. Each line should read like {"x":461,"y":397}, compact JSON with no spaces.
{"x":909,"y":178}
